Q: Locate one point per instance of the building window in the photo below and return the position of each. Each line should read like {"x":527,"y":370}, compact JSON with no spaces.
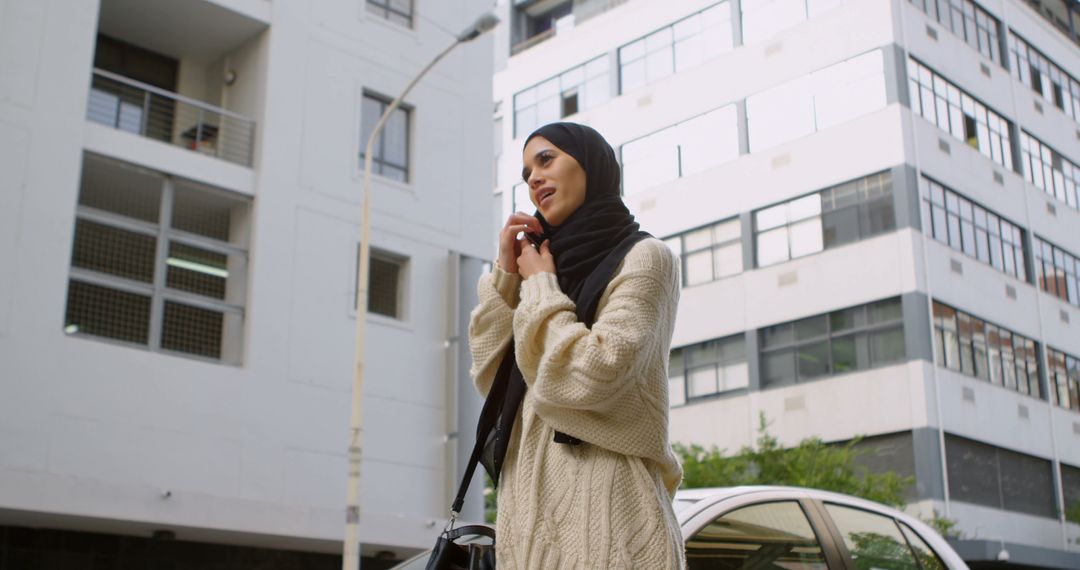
{"x":969,"y":22}
{"x":974,"y":347}
{"x":1070,"y":487}
{"x":1044,"y":77}
{"x":538,"y":20}
{"x":1064,"y":378}
{"x":814,"y":102}
{"x":709,"y":253}
{"x":397,"y":11}
{"x":387,"y":274}
{"x":848,"y":340}
{"x":680,"y":46}
{"x":969,"y":228}
{"x":707,"y":369}
{"x":390,"y":156}
{"x":158,"y":261}
{"x":683,"y":149}
{"x":579,"y":89}
{"x":1047,"y":169}
{"x":1057,"y":271}
{"x":763,"y":19}
{"x":999,"y":478}
{"x":957,"y":113}
{"x":842,"y":214}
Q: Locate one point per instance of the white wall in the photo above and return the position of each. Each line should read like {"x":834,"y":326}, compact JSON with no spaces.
{"x":93,"y":431}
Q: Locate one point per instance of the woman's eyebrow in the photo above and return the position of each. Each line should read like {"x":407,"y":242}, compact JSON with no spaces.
{"x":525,"y":172}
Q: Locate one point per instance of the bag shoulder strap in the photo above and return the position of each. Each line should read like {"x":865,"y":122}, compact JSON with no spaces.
{"x":488,"y":417}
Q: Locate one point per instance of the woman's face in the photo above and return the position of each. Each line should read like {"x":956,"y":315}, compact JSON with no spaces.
{"x":556,"y":180}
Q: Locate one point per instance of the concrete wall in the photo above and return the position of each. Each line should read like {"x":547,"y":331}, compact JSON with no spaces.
{"x":92,"y":433}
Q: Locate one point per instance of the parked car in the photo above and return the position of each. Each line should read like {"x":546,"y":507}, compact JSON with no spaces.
{"x":792,"y":528}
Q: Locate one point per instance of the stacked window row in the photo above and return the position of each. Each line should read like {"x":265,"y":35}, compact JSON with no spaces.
{"x":681,"y":45}
{"x":797,"y":108}
{"x":969,"y":228}
{"x":1049,"y":170}
{"x":1056,"y":271}
{"x":1064,"y":376}
{"x":849,"y":212}
{"x":855,"y":210}
{"x":968,"y":21}
{"x":709,"y":253}
{"x":848,"y":340}
{"x":956,"y":112}
{"x":986,"y":351}
{"x":857,"y":338}
{"x":682,"y":149}
{"x":1044,"y":77}
{"x":707,"y":368}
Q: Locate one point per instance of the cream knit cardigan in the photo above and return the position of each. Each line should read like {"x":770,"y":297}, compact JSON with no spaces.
{"x":607,"y":502}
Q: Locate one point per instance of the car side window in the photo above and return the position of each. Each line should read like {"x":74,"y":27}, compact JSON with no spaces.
{"x":765,"y":535}
{"x":928,"y":559}
{"x":874,"y":541}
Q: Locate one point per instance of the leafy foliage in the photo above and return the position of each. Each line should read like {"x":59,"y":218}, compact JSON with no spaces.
{"x":812,"y":463}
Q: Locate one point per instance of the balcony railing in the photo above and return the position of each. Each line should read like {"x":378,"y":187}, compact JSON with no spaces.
{"x":128,"y":105}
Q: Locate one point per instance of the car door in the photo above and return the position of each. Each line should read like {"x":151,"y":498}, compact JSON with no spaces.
{"x":763,"y":530}
{"x":873,"y":540}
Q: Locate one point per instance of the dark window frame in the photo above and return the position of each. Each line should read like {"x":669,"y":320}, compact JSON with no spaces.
{"x":883,"y":194}
{"x":1065,"y":283}
{"x":978,"y":232}
{"x":386,"y":10}
{"x":379,"y":164}
{"x":1063,"y":375}
{"x":713,"y":246}
{"x":974,"y":21}
{"x":830,"y":335}
{"x":718,"y":364}
{"x":981,"y":359}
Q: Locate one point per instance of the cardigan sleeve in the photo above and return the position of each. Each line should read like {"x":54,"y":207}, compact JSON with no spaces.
{"x":491,"y":324}
{"x":569,"y":366}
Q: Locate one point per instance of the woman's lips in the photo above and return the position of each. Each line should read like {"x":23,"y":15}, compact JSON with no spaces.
{"x":546,"y":195}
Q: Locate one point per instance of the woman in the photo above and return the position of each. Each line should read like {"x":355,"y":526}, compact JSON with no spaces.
{"x":588,"y":473}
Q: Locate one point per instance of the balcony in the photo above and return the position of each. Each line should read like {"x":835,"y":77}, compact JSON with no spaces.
{"x":143,"y":109}
{"x":188,"y":73}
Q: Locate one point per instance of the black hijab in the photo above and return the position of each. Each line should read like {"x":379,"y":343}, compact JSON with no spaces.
{"x":588,"y":247}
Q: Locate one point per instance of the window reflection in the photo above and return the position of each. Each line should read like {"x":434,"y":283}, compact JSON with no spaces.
{"x":823,"y":99}
{"x":683,"y":149}
{"x":969,"y":228}
{"x":855,"y":338}
{"x":1056,"y":271}
{"x":1050,"y":170}
{"x":708,"y":368}
{"x":677,"y":47}
{"x":957,"y":113}
{"x":578,"y":89}
{"x":709,"y":253}
{"x":986,"y":351}
{"x":1032,"y":68}
{"x":835,"y":216}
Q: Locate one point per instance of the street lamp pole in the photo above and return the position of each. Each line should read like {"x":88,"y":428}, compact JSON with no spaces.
{"x":351,"y":552}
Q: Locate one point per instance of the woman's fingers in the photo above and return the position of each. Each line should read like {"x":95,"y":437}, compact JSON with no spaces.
{"x":519,"y":219}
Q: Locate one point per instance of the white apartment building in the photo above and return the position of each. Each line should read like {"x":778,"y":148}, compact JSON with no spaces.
{"x":179,"y":222}
{"x":876,"y":206}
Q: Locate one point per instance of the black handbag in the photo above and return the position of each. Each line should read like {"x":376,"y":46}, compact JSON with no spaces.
{"x":448,"y":554}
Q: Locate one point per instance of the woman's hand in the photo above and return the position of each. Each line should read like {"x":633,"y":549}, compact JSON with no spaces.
{"x":509,"y":246}
{"x":532,"y":261}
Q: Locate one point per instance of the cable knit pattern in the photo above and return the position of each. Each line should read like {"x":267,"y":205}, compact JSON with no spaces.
{"x":605,"y":503}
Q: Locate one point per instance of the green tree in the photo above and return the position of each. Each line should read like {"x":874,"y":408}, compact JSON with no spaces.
{"x":812,"y":463}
